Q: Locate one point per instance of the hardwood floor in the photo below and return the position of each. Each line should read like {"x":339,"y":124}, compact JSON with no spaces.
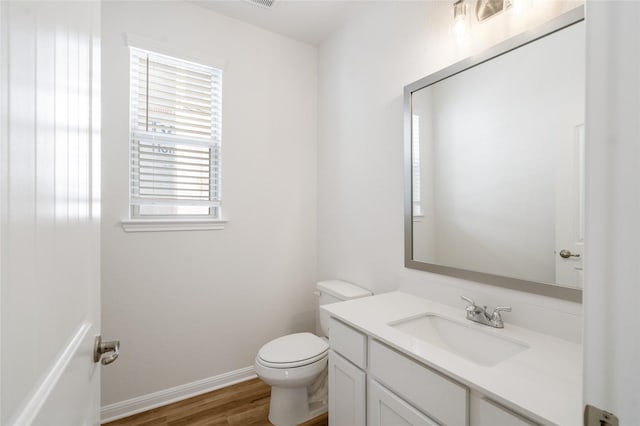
{"x":246,"y":403}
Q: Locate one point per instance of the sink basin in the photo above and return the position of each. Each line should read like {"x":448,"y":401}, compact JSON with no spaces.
{"x":484,"y":347}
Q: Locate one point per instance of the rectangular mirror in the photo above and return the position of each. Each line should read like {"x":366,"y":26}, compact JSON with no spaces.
{"x":494,"y":159}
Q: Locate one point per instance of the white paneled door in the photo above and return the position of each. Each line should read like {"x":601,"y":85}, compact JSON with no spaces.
{"x":570,"y":210}
{"x":49,"y":212}
{"x":612,"y":260}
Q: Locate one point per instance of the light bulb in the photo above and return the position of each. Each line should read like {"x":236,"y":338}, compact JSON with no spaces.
{"x":459,"y":19}
{"x":459,"y":29}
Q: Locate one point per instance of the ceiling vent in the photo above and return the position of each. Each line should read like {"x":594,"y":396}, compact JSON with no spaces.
{"x":267,"y":4}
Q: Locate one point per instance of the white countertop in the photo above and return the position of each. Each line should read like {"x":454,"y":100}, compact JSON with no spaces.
{"x":543,"y":382}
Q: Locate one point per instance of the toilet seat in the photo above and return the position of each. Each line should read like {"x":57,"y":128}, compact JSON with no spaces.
{"x":293,"y":350}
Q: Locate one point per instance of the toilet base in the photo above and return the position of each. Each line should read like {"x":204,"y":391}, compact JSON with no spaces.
{"x":290,"y":407}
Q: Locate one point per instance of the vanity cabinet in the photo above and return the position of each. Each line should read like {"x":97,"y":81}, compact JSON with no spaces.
{"x":373,"y":384}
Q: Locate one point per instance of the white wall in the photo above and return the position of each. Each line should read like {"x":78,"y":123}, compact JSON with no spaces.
{"x":362,"y":71}
{"x":187,"y":306}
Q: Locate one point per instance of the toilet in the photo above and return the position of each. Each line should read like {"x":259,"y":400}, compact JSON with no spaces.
{"x":295,"y":365}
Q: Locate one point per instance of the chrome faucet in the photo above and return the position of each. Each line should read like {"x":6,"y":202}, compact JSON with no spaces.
{"x":478,"y":314}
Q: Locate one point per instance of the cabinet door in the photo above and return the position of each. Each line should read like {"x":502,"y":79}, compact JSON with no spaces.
{"x":346,"y":392}
{"x":384,"y":408}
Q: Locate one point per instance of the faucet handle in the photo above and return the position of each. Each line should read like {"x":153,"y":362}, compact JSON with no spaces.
{"x":499,"y":309}
{"x":472,"y":305}
{"x":471,"y":302}
{"x":496,"y":318}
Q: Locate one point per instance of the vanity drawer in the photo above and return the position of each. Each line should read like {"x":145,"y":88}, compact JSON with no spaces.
{"x":442,"y":399}
{"x":348,"y":342}
{"x":486,"y":412}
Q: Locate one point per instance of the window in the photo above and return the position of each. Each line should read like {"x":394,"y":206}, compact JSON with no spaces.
{"x":415,"y":166}
{"x":175,"y":138}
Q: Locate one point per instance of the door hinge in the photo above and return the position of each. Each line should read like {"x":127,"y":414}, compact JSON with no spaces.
{"x":596,"y":417}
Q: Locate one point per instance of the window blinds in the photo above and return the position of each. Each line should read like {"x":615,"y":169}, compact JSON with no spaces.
{"x":175,"y":131}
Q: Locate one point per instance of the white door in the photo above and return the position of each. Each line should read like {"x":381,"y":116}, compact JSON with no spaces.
{"x":49,"y":212}
{"x":570,"y":210}
{"x":612,"y":262}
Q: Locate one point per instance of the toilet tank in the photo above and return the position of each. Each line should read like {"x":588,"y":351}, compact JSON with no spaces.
{"x":334,"y":291}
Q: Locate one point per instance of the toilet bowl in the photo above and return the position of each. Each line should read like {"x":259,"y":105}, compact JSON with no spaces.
{"x":290,"y":364}
{"x":295,"y":365}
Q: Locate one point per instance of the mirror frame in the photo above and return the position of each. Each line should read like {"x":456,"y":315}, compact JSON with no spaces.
{"x":567,"y":293}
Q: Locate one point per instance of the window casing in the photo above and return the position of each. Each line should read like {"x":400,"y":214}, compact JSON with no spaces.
{"x":175,"y":138}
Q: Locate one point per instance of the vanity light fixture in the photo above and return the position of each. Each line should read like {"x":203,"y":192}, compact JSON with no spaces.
{"x":459,"y":19}
{"x":484,"y":9}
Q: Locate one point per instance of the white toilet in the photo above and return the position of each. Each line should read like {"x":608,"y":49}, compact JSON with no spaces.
{"x":296,"y":365}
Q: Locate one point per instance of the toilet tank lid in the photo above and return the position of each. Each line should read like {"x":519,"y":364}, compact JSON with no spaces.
{"x":342,"y":289}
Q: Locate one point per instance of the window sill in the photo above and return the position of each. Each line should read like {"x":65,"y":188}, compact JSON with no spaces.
{"x":162,"y":225}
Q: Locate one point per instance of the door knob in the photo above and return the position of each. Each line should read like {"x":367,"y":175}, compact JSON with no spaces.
{"x":565,"y":254}
{"x":100,"y":348}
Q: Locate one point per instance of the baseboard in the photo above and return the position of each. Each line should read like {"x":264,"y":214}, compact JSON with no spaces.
{"x":157,"y":399}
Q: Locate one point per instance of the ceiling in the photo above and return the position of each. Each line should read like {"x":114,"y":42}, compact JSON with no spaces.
{"x":310,"y":21}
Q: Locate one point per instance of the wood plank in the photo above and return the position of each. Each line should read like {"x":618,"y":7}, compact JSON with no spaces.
{"x":242,"y":404}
